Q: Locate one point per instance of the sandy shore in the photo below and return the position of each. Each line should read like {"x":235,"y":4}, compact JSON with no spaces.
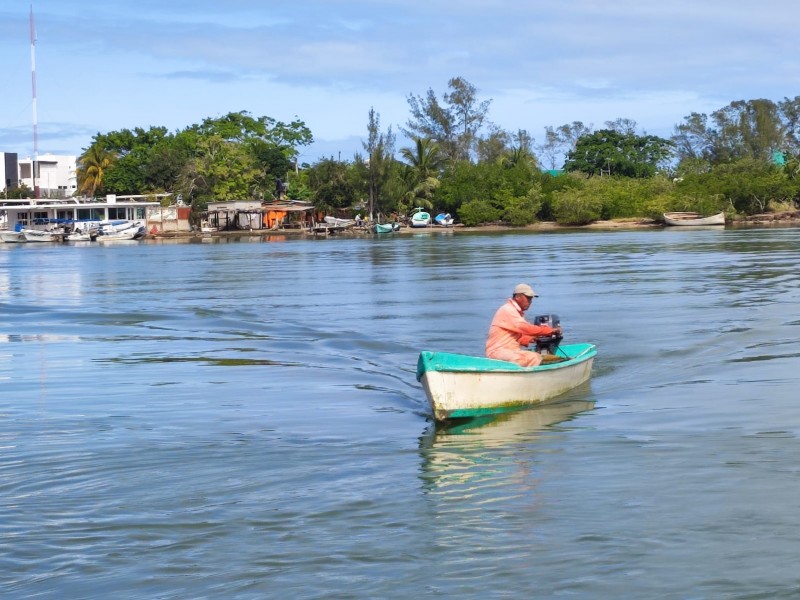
{"x":782,"y":219}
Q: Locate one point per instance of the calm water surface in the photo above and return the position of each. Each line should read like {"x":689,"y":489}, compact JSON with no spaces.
{"x":242,"y":420}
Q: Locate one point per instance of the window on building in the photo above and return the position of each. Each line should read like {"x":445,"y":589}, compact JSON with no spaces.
{"x":90,"y":214}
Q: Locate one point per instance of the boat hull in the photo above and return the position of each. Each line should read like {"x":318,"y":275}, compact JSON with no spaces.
{"x":34,"y":235}
{"x":459,"y":386}
{"x":693,"y":220}
{"x":12,"y":237}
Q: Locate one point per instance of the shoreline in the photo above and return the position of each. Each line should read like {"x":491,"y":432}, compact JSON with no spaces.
{"x":783,"y":219}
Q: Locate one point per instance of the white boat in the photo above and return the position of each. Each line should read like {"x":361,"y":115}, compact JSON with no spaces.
{"x":459,"y":386}
{"x":693,"y":219}
{"x":9,"y":236}
{"x":420,"y":218}
{"x":444,"y":219}
{"x":337,"y":222}
{"x":206,"y":227}
{"x":38,"y":235}
{"x":80,"y":235}
{"x":121,"y":230}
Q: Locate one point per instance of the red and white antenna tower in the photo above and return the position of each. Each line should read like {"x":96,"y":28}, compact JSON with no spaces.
{"x":35,"y":165}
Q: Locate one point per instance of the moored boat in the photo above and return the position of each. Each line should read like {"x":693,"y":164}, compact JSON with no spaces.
{"x":80,"y":235}
{"x":459,"y":386}
{"x":693,"y":219}
{"x":121,"y":230}
{"x":9,"y":236}
{"x":38,"y":235}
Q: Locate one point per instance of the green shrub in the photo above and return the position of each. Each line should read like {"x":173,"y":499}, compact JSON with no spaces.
{"x":522,"y":210}
{"x":576,"y":207}
{"x":475,"y":212}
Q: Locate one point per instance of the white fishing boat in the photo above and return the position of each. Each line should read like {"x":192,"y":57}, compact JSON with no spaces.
{"x":420,"y":218}
{"x":121,"y":231}
{"x":693,"y":219}
{"x":39,"y":235}
{"x":9,"y":236}
{"x":337,"y":222}
{"x":80,"y":235}
{"x":459,"y":386}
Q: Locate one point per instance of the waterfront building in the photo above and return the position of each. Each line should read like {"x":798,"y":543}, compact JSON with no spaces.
{"x":57,"y":175}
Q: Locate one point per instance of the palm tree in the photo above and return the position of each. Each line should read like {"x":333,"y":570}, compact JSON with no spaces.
{"x":421,"y":174}
{"x":425,"y":158}
{"x":93,"y":165}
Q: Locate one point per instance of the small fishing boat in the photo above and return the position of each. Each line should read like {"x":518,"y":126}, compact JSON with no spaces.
{"x":444,"y":219}
{"x":385,"y":227}
{"x":38,"y":235}
{"x":459,"y":386}
{"x":121,"y":230}
{"x":337,"y":222}
{"x":81,"y":235}
{"x":9,"y":236}
{"x":420,"y":218}
{"x":693,"y":219}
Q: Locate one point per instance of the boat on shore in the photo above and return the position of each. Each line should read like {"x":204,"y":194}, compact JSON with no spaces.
{"x":420,"y":218}
{"x":462,"y":386}
{"x":444,"y":219}
{"x":385,"y":227}
{"x":693,"y":219}
{"x":337,"y":222}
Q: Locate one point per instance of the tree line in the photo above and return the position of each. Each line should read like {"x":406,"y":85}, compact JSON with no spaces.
{"x":743,"y":158}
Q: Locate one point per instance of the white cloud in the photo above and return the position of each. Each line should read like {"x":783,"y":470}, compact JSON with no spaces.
{"x":328,"y":61}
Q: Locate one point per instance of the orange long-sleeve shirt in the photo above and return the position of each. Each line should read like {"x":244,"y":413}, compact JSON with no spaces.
{"x":509,"y":329}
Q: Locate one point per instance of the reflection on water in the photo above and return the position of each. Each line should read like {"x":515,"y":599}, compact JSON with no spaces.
{"x":460,"y":457}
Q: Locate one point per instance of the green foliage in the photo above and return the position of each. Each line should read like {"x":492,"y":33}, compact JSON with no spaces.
{"x":453,"y":123}
{"x":332,"y":189}
{"x":747,"y":185}
{"x":475,"y":212}
{"x":380,"y":154}
{"x":18,"y":192}
{"x":576,"y":206}
{"x":621,"y":154}
{"x":93,"y":167}
{"x":522,"y":210}
{"x":236,"y":156}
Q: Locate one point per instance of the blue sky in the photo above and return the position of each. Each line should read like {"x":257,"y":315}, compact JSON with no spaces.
{"x":105,"y":66}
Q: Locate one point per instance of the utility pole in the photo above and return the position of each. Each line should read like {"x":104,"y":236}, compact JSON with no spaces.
{"x":35,"y":164}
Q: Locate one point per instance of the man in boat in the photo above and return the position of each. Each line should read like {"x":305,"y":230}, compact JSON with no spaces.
{"x":510,"y":333}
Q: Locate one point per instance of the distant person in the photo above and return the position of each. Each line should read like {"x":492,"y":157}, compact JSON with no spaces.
{"x":510,"y":333}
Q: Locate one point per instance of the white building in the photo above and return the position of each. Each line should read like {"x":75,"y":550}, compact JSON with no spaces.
{"x":57,"y":175}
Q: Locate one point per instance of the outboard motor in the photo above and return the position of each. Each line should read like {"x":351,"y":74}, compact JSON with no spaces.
{"x":548,"y":344}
